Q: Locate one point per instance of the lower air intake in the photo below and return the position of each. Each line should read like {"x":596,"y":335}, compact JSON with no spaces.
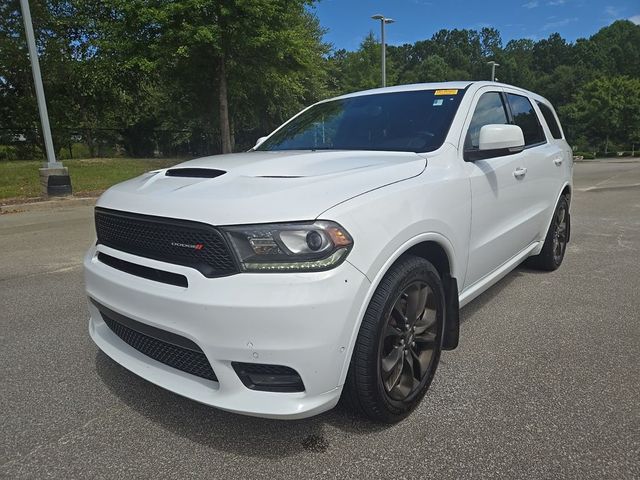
{"x":165,"y":347}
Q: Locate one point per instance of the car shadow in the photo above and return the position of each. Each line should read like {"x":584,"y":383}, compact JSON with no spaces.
{"x":494,"y":291}
{"x":224,"y":431}
{"x":249,"y":436}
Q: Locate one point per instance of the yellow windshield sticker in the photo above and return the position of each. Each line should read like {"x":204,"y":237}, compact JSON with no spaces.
{"x":446,"y":92}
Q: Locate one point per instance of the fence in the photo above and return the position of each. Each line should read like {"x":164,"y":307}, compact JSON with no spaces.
{"x":26,"y":143}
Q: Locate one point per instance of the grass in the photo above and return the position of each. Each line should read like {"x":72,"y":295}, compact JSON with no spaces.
{"x":20,"y":179}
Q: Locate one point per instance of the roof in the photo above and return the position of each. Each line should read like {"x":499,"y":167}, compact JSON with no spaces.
{"x":411,"y":87}
{"x":460,"y":85}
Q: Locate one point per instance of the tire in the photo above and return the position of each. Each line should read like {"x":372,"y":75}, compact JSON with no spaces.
{"x":393,"y":363}
{"x":555,"y":244}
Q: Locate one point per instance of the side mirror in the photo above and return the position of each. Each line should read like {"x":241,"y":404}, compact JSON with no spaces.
{"x":500,"y":137}
{"x":260,"y":140}
{"x":497,"y":141}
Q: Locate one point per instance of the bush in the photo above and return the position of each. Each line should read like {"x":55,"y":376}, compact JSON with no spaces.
{"x":78,"y":150}
{"x":8,"y":152}
{"x":585,"y":155}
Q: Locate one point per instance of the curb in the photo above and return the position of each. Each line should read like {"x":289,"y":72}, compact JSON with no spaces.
{"x":48,"y":204}
{"x":610,"y":160}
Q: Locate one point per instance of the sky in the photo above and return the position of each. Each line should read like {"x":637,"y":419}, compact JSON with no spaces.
{"x":349,"y":21}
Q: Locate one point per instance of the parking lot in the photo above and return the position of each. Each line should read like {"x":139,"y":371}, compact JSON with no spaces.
{"x":545,"y":383}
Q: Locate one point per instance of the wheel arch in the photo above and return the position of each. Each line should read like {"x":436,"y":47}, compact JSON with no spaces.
{"x":434,"y":252}
{"x":438,"y":250}
{"x":566,"y":191}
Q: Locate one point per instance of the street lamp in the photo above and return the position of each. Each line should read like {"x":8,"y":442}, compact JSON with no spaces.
{"x":54,"y":177}
{"x":383,"y":21}
{"x":37,"y":80}
{"x":493,"y":69}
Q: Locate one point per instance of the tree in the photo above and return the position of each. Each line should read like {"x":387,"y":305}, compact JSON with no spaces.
{"x":220,"y":46}
{"x":360,"y":70}
{"x":196,"y":77}
{"x":607,"y":110}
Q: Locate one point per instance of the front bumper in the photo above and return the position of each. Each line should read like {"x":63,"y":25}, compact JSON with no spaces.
{"x":304,"y":321}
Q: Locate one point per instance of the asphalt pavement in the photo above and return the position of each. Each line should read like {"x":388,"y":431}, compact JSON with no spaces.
{"x":545,"y":383}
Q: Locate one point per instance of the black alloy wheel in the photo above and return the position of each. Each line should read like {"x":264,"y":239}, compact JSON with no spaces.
{"x":409,"y":340}
{"x":560,"y":233}
{"x":399,"y":343}
{"x":555,"y":244}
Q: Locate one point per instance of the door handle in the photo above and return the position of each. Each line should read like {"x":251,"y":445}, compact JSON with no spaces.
{"x":519,"y":172}
{"x":557,"y":161}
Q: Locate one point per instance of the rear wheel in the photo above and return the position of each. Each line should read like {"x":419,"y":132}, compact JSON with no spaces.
{"x":555,"y":244}
{"x":399,"y":343}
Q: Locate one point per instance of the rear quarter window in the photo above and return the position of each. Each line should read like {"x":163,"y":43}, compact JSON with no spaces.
{"x":550,"y":118}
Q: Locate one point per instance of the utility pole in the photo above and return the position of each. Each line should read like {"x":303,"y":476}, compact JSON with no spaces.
{"x":54,"y":177}
{"x":493,"y":69}
{"x":383,"y":21}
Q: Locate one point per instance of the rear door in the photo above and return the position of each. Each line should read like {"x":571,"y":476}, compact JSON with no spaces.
{"x":498,"y":229}
{"x":544,"y":158}
{"x":554,"y":173}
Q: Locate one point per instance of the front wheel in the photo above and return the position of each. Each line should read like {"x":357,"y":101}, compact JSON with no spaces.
{"x":399,"y":343}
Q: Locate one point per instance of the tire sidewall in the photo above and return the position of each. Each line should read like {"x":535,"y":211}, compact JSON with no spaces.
{"x":424,"y":271}
{"x":562,"y":203}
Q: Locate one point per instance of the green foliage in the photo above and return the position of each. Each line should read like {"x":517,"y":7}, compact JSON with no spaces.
{"x":359,"y":70}
{"x":8,"y":152}
{"x":148,"y":76}
{"x":271,"y":51}
{"x":117,"y":71}
{"x":17,"y":179}
{"x":585,"y":155}
{"x":78,"y":150}
{"x":576,"y":78}
{"x":607,"y":112}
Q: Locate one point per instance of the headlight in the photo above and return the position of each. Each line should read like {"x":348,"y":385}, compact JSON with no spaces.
{"x":287,"y":247}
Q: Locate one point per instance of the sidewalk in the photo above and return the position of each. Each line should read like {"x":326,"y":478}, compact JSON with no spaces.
{"x":37,"y":205}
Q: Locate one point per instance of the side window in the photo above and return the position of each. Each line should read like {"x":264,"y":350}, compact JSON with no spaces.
{"x":551,"y":120}
{"x":525,"y":117}
{"x":489,"y":110}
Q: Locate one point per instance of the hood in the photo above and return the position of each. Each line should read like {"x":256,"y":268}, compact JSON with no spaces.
{"x":261,"y":187}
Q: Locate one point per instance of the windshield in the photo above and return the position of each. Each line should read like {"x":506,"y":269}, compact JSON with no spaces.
{"x":414,"y":121}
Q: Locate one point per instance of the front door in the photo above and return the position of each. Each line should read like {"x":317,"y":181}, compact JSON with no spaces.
{"x":498,"y":228}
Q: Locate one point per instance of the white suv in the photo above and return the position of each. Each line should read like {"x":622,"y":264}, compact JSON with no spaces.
{"x":330,"y":260}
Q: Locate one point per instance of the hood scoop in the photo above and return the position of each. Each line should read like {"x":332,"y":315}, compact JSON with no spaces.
{"x":194,"y":172}
{"x":280,"y":176}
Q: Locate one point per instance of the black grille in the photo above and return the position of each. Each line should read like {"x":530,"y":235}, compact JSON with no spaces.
{"x":264,"y":369}
{"x":182,"y":242}
{"x":144,"y":272}
{"x":179,"y":352}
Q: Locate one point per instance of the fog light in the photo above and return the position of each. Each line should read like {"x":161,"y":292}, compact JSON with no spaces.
{"x":268,"y":378}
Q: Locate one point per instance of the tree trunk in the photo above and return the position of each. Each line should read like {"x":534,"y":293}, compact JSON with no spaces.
{"x":88,"y":139}
{"x":223,"y":105}
{"x":232,"y":134}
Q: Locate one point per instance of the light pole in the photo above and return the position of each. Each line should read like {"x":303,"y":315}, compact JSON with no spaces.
{"x":383,"y":21}
{"x":54,"y":178}
{"x":493,"y":69}
{"x":37,"y":80}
